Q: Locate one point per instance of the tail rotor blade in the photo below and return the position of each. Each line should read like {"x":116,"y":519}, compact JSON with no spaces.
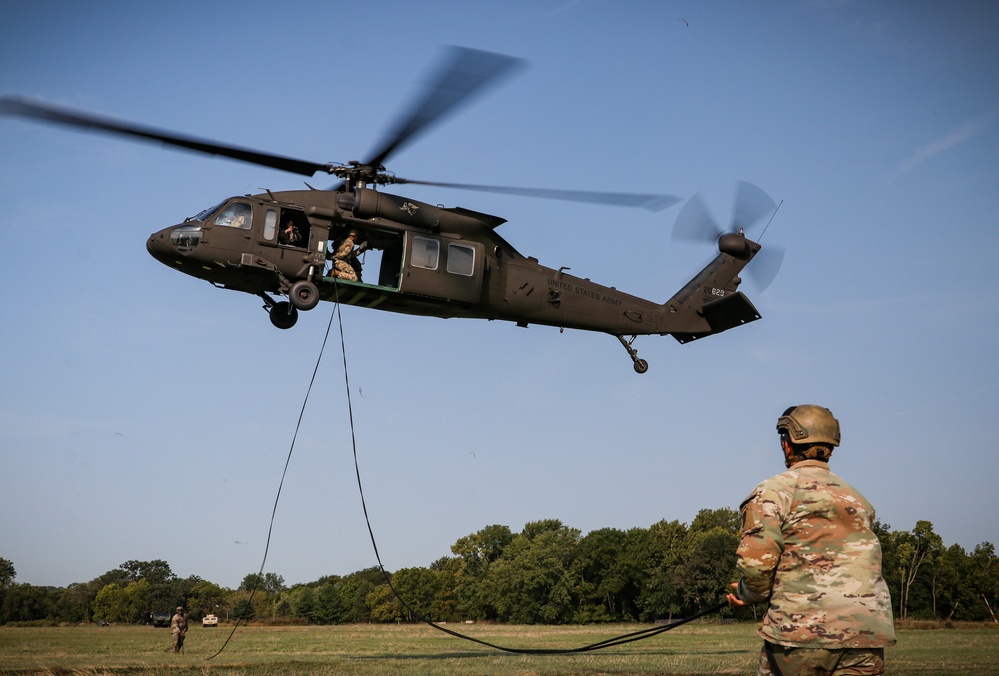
{"x":765,"y":266}
{"x":695,"y":222}
{"x":751,"y":204}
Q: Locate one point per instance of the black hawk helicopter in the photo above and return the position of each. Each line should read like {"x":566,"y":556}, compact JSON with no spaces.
{"x":304,"y":245}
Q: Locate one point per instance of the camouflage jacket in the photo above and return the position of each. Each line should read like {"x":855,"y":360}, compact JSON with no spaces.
{"x":808,"y":548}
{"x":178,"y":623}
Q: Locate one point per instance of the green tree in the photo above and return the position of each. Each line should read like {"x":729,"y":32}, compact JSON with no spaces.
{"x":205,"y":597}
{"x":475,"y":554}
{"x":384,"y":605}
{"x":108,"y":603}
{"x":273,"y":583}
{"x":946,"y":584}
{"x":535,"y":580}
{"x":243,"y":608}
{"x":418,"y":588}
{"x":74,"y":604}
{"x":661,"y":596}
{"x":611,"y":566}
{"x":357,"y":587}
{"x":283,"y":609}
{"x":982,"y":587}
{"x":708,"y":568}
{"x":134,"y":601}
{"x":330,"y":605}
{"x":27,"y":603}
{"x":7,"y":575}
{"x":161,"y":596}
{"x":445,"y":606}
{"x":707,"y":520}
{"x":913,"y":550}
{"x":303,"y":603}
{"x":478,"y":550}
{"x":252,"y":582}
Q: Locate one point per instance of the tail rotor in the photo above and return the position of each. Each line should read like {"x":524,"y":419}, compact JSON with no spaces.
{"x":696,"y":223}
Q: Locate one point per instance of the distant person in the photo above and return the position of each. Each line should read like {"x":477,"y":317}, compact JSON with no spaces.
{"x":178,"y":629}
{"x":345,"y":263}
{"x":808,"y":549}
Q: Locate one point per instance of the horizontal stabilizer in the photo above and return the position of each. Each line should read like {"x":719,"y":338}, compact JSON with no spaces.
{"x":723,"y":314}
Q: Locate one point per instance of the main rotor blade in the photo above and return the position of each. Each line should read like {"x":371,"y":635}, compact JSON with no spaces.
{"x":464,"y":74}
{"x":751,"y":204}
{"x":48,"y":113}
{"x":644,"y":201}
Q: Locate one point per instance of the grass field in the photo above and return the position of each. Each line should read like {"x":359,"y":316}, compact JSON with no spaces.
{"x":417,"y":649}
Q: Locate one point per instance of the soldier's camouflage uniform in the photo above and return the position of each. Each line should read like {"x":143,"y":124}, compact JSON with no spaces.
{"x":341,"y":263}
{"x":178,"y":630}
{"x":808,"y":548}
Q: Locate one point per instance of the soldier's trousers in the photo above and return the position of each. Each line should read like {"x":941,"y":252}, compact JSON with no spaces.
{"x":779,"y":660}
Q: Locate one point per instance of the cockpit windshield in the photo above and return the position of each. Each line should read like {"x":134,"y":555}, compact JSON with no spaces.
{"x":207,"y":213}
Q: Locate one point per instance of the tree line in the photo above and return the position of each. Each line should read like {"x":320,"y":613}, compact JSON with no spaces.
{"x":548,"y":573}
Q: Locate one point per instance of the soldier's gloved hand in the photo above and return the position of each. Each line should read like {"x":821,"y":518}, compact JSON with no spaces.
{"x":734,"y":600}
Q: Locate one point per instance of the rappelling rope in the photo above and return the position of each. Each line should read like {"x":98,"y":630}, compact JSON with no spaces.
{"x":284,"y":473}
{"x":607,"y":643}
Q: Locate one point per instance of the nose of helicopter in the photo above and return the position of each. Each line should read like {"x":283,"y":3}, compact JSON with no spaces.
{"x":158,"y":245}
{"x":171,"y":245}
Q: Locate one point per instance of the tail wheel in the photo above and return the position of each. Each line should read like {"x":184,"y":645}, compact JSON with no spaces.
{"x":304,"y":295}
{"x":283,"y":315}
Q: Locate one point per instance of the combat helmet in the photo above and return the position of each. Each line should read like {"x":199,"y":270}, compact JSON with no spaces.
{"x":809,"y":425}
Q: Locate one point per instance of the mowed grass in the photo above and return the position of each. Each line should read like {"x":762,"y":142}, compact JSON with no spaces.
{"x":418,"y":649}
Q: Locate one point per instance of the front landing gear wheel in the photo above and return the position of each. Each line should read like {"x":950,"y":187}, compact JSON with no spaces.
{"x":641,"y":366}
{"x":283,"y":315}
{"x":304,"y":295}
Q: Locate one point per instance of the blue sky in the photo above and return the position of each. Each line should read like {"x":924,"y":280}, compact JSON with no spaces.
{"x":146,"y":415}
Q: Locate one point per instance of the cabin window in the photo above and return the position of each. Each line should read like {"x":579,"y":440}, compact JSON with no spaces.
{"x":460,"y":259}
{"x":236,"y":215}
{"x":426,"y":253}
{"x":270,"y":224}
{"x":294,"y":229}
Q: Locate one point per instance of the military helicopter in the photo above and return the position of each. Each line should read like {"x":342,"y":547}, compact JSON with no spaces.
{"x":295,"y":248}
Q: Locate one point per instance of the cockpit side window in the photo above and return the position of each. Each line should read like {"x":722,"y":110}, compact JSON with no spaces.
{"x":236,"y":215}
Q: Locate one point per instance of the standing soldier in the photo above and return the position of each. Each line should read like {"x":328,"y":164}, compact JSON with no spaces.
{"x":345,"y":258}
{"x":178,"y":628}
{"x":808,"y":549}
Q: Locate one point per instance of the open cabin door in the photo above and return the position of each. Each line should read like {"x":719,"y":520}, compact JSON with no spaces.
{"x":442,"y":268}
